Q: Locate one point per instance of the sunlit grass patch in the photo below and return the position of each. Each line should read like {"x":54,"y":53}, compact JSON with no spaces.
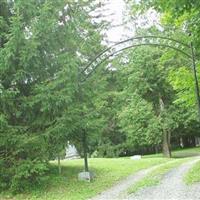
{"x":193,"y":175}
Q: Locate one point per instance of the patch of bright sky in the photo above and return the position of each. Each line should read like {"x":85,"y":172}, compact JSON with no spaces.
{"x":115,"y":12}
{"x":117,"y":9}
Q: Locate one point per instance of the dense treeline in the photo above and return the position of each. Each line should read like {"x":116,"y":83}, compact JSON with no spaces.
{"x":143,"y":102}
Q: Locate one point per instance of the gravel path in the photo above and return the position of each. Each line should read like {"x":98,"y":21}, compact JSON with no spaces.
{"x":115,"y":191}
{"x":172,"y":187}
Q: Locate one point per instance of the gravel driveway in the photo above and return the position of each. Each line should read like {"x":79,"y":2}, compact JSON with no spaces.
{"x":115,"y":191}
{"x":172,"y":187}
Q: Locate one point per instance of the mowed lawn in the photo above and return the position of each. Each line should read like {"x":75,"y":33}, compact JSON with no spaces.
{"x":67,"y":187}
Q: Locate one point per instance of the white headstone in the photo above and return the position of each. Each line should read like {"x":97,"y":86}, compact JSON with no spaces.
{"x":136,"y":157}
{"x":71,"y":152}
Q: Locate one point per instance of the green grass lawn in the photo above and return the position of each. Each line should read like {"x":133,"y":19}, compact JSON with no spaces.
{"x":193,"y":175}
{"x":107,"y":171}
{"x":154,"y":177}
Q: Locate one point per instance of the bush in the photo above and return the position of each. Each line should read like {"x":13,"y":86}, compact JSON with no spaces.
{"x":109,"y":151}
{"x":27,"y":174}
{"x":23,"y":160}
{"x":5,"y":175}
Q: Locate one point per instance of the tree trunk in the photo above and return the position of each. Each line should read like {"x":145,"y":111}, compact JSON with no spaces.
{"x":85,"y":152}
{"x":156,"y":149}
{"x":166,"y":144}
{"x":59,"y":165}
{"x":166,"y":134}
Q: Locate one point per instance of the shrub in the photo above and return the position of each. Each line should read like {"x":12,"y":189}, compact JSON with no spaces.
{"x":27,"y":174}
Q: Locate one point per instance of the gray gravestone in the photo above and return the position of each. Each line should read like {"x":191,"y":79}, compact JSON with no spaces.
{"x":85,"y":176}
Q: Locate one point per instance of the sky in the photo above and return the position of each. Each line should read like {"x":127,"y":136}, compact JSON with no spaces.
{"x":116,"y":12}
{"x":116,"y":7}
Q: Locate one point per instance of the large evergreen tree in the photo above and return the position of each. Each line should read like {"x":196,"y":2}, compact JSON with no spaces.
{"x":44,"y":45}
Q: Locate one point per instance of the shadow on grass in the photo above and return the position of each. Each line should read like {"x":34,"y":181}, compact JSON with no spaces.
{"x":184,"y":155}
{"x":53,"y":179}
{"x":178,"y":153}
{"x":66,"y":170}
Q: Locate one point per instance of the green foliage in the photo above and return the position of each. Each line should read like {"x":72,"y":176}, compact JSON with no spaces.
{"x":108,"y":150}
{"x":145,"y":85}
{"x":179,"y":20}
{"x":43,"y":46}
{"x":182,"y":81}
{"x":28,"y":173}
{"x":145,"y":79}
{"x":137,"y":119}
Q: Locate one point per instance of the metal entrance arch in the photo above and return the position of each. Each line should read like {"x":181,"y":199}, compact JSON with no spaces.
{"x":186,"y":49}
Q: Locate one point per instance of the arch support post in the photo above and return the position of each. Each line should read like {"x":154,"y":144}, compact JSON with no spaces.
{"x":195,"y":79}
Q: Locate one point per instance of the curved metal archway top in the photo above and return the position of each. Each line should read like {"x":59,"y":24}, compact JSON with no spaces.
{"x":135,"y":42}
